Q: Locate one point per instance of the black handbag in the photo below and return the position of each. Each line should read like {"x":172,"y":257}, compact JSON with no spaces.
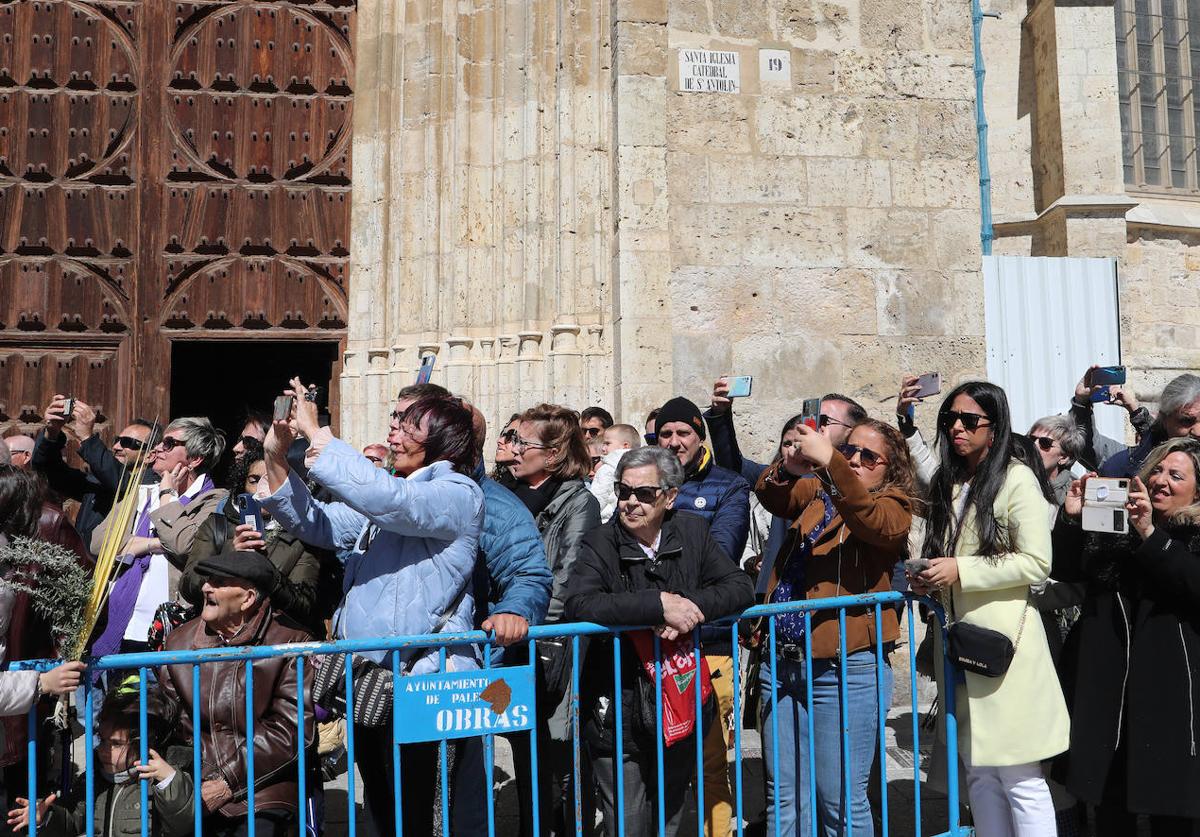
{"x":980,"y":650}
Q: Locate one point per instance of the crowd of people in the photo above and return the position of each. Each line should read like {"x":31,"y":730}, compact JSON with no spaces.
{"x":1079,"y":650}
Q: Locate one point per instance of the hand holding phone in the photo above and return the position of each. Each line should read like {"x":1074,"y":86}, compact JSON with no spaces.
{"x":810,"y":413}
{"x":283,"y":408}
{"x":740,"y":386}
{"x":251,"y":511}
{"x":916,"y":566}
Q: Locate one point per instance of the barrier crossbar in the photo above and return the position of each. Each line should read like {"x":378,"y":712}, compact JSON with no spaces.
{"x":306,"y":653}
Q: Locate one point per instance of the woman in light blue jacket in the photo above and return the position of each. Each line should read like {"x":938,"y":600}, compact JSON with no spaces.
{"x":411,"y":540}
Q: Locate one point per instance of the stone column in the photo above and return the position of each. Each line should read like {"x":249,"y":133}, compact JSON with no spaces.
{"x":641,"y":344}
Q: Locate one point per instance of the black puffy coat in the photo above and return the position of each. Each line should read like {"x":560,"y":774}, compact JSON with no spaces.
{"x":614,"y":583}
{"x":1131,"y":666}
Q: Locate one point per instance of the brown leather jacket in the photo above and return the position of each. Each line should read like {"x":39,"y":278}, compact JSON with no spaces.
{"x":854,"y":554}
{"x":223,"y":710}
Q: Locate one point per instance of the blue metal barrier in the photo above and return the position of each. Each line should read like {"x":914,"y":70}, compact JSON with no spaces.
{"x":303,"y":653}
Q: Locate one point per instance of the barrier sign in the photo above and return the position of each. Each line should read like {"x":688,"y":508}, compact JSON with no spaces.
{"x":463,"y":704}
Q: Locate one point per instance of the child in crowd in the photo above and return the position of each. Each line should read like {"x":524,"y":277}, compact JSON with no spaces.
{"x":618,"y":439}
{"x":116,"y":812}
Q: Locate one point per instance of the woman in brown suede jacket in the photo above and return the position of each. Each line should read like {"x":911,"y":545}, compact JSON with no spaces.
{"x":852,"y":508}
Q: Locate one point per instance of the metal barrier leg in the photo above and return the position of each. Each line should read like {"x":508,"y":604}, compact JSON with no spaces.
{"x":844,"y":704}
{"x":737,"y":730}
{"x":302,"y":749}
{"x":250,"y":748}
{"x":618,"y":738}
{"x":144,"y":753}
{"x":882,"y":713}
{"x":698,"y":730}
{"x":396,"y":786}
{"x":89,"y":755}
{"x":535,"y":791}
{"x":573,"y":717}
{"x":658,"y":738}
{"x":775,"y":766}
{"x":197,"y":776}
{"x":351,"y":824}
{"x":810,"y":723}
{"x":916,"y":724}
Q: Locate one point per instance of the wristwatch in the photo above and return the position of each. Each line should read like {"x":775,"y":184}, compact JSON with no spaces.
{"x":163,"y":491}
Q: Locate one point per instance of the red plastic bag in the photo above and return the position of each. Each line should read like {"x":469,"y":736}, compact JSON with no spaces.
{"x":678,"y":682}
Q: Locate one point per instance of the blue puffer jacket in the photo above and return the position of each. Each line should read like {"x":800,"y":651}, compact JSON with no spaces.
{"x":514,"y":556}
{"x":722,"y":498}
{"x":412,"y":545}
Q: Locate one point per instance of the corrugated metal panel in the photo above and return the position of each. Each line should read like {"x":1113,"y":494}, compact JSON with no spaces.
{"x":1046,"y":321}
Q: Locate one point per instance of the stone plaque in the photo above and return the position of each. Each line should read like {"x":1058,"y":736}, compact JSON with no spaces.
{"x":709,"y":71}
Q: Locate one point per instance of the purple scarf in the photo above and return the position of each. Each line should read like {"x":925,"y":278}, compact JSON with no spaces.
{"x":123,"y":598}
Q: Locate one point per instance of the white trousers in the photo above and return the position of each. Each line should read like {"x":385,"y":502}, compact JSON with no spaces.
{"x":1011,"y":801}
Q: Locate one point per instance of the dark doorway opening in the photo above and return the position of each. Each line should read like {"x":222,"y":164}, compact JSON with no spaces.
{"x":225,"y":379}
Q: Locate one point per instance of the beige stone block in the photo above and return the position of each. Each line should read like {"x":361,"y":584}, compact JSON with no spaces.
{"x":813,"y":126}
{"x":643,"y":190}
{"x":816,"y":23}
{"x":948,"y":23}
{"x":890,"y":129}
{"x":935,"y":183}
{"x":915,"y":302}
{"x":640,"y":108}
{"x":640,"y":11}
{"x":742,"y":19}
{"x":749,"y":179}
{"x":956,"y":239}
{"x":708,"y":122}
{"x":873,"y":367}
{"x":887,"y":24}
{"x":888,"y":238}
{"x":687,"y":177}
{"x":905,"y":74}
{"x":699,"y":359}
{"x":947,"y":129}
{"x":707,"y":234}
{"x":812,"y":71}
{"x":850,"y":182}
{"x":794,"y":237}
{"x":833,"y":300}
{"x":641,"y":49}
{"x":725,"y":299}
{"x":689,"y":16}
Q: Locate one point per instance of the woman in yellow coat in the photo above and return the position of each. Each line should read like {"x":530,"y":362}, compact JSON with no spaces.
{"x":987,"y":541}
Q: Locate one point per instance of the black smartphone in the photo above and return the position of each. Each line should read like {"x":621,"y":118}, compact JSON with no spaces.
{"x":1104,"y":376}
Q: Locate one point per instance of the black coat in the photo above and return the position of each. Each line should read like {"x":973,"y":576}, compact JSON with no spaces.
{"x":615,"y":584}
{"x":1131,"y":667}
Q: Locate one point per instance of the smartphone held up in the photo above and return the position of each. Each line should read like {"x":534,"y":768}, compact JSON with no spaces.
{"x":1104,"y":500}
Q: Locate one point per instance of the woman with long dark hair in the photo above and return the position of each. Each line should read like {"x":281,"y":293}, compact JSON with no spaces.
{"x":852,"y":506}
{"x":987,"y":542}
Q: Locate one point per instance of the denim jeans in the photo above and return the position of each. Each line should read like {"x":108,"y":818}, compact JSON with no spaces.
{"x":789,"y":781}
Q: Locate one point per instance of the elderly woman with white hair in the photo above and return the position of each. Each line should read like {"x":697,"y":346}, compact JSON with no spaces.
{"x":1060,"y":443}
{"x":169,"y":513}
{"x":649,"y":565}
{"x":1178,"y":417}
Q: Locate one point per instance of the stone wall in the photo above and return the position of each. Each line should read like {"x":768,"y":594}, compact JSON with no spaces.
{"x":541,"y":205}
{"x":824,"y":230}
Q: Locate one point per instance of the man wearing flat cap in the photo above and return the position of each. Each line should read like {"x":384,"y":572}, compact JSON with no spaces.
{"x":236,"y":610}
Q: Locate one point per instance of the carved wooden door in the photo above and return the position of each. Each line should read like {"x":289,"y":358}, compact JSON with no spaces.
{"x":168,"y":171}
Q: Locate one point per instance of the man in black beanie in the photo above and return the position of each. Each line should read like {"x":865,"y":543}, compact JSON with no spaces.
{"x":723,"y":499}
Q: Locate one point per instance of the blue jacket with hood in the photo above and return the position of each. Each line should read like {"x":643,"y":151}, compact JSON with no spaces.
{"x":411,"y":542}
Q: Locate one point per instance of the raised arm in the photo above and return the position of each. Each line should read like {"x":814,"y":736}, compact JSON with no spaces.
{"x":881,"y":520}
{"x":326,"y":525}
{"x":783,"y":494}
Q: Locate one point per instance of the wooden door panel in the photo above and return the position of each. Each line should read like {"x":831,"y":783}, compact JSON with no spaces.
{"x":167,"y":170}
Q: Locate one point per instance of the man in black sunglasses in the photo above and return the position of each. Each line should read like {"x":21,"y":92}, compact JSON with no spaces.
{"x":106,"y":477}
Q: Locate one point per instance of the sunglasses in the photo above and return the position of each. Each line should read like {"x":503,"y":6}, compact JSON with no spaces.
{"x":520,"y":445}
{"x":1043,"y":442}
{"x":509,"y":436}
{"x":970,"y":421}
{"x":644,"y":493}
{"x":249,"y":441}
{"x":169,"y":443}
{"x":826,"y":420}
{"x":651,"y":438}
{"x":378,"y":460}
{"x":129,"y":443}
{"x":869,"y":458}
{"x":591,"y":432}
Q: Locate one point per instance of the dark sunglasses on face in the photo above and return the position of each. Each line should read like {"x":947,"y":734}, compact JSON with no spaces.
{"x":869,"y":458}
{"x":1043,"y":442}
{"x":169,"y":444}
{"x":591,"y":432}
{"x":249,"y":440}
{"x":970,"y":421}
{"x":651,"y":438}
{"x":509,"y":436}
{"x":129,"y":443}
{"x":644,"y":493}
{"x":826,"y":420}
